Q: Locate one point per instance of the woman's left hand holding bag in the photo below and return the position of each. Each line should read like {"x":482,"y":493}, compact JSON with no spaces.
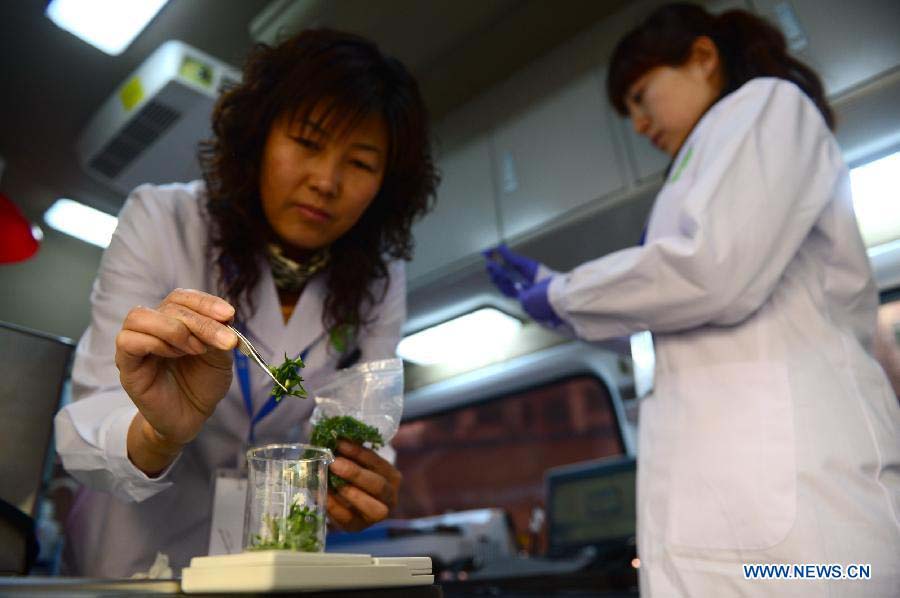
{"x":372,"y":488}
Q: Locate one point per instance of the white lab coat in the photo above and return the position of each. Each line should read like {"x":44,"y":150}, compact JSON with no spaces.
{"x":772,"y":435}
{"x":117,"y":526}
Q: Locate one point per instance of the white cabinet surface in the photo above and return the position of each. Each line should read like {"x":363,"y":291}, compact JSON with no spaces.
{"x":554,"y":155}
{"x":847,"y":43}
{"x":869,"y":121}
{"x":464,"y":219}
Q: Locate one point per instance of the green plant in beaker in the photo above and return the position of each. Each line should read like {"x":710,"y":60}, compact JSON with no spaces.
{"x":286,"y":496}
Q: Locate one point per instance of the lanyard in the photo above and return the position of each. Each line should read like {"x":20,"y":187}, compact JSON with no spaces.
{"x":243,"y":372}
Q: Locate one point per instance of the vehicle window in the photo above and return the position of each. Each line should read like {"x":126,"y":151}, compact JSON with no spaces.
{"x":494,"y":453}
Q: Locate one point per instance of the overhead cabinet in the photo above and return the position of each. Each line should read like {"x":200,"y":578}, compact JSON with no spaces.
{"x":847,"y":43}
{"x":464,"y":220}
{"x":869,"y":122}
{"x":544,"y":147}
{"x":556,"y":154}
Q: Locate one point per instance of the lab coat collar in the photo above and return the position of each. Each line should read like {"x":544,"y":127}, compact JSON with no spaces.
{"x":267,"y":327}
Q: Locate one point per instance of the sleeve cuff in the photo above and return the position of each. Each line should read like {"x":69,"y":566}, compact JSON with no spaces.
{"x":130,"y":480}
{"x":544,"y":272}
{"x":556,"y":302}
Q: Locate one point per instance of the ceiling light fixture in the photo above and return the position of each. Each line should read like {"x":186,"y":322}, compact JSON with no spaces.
{"x":472,"y":337}
{"x":874,"y":188}
{"x":110,"y":25}
{"x":81,"y":221}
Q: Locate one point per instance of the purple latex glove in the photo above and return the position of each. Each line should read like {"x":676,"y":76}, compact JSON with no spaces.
{"x":535,"y":301}
{"x":510,"y":272}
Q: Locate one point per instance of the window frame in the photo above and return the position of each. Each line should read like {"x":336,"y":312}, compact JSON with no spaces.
{"x":530,"y":371}
{"x":620,"y":434}
{"x":591,"y":367}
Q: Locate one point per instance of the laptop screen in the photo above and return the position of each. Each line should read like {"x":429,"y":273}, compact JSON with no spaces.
{"x":591,"y":504}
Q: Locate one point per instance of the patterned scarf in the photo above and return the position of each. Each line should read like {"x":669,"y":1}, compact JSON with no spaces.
{"x":290,"y":276}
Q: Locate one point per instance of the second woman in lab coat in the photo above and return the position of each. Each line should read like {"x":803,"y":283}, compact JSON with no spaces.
{"x":772,"y":435}
{"x":320,"y":162}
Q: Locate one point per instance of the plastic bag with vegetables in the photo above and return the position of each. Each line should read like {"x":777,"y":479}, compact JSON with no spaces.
{"x":362,"y":404}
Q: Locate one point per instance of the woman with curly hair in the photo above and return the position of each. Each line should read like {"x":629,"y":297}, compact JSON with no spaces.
{"x":319,"y":163}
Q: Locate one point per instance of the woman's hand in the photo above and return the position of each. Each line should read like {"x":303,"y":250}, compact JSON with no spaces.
{"x":511,"y":272}
{"x":371,"y":492}
{"x":175,"y":364}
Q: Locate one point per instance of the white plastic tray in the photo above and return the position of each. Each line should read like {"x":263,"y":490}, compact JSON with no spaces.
{"x":275,"y":570}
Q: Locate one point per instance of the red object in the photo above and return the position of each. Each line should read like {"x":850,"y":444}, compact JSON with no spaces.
{"x":17,"y":243}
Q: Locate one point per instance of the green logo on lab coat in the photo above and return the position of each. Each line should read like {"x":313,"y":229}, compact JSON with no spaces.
{"x":681,"y":165}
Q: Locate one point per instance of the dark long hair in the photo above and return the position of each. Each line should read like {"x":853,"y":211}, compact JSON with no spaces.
{"x":748,"y":45}
{"x":348,"y":78}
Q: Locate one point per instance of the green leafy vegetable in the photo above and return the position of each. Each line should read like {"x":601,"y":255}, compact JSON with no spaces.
{"x":302,"y":530}
{"x":329,"y":430}
{"x":288,"y":373}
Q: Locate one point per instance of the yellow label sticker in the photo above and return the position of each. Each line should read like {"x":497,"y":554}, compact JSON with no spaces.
{"x":131,"y":93}
{"x":196,"y":71}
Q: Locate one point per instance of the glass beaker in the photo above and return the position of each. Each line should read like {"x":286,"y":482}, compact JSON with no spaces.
{"x":287,"y":489}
